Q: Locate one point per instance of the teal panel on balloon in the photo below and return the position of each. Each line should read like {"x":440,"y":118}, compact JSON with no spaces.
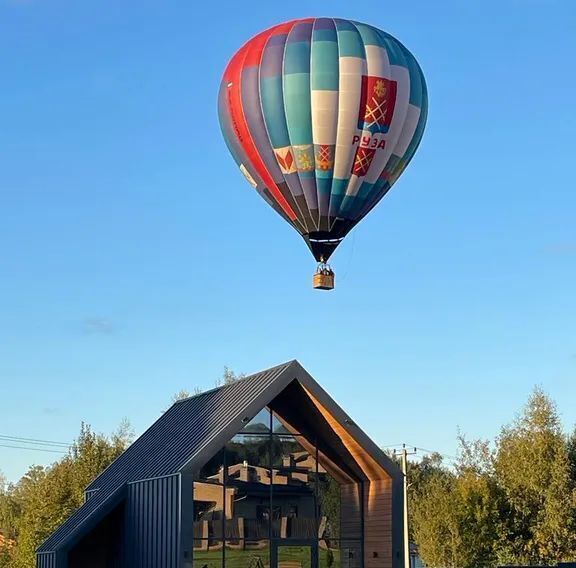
{"x":322,"y":115}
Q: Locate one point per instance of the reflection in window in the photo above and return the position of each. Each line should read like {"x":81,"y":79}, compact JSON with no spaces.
{"x":260,"y":424}
{"x":329,"y":506}
{"x":340,"y":554}
{"x":294,"y":487}
{"x":213,"y":470}
{"x":210,"y":499}
{"x":248,"y":459}
{"x":328,"y":557}
{"x":300,"y":556}
{"x":208,"y":554}
{"x":255,"y":556}
{"x":210,"y":505}
{"x":263,"y":513}
{"x":279,"y":426}
{"x":248,"y":477}
{"x":267,"y":483}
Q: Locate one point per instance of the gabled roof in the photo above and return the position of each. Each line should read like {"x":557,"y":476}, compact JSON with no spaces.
{"x":83,"y":520}
{"x":188,"y":424}
{"x":189,"y":434}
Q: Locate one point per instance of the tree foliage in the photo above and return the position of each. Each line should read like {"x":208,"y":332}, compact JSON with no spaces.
{"x":510,"y":502}
{"x":44,"y":498}
{"x":227,"y":378}
{"x":532,"y":466}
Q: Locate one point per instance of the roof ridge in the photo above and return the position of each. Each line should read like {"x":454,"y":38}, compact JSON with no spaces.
{"x":282,"y":367}
{"x":179,"y":435}
{"x":286,"y":365}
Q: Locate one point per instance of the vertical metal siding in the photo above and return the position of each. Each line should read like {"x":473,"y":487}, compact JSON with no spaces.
{"x":46,"y":560}
{"x":153,"y":523}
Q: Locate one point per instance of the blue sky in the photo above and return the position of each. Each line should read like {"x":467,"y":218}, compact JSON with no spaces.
{"x":137,"y":261}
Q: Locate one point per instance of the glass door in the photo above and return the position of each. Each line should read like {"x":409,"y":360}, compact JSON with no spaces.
{"x":294,"y":554}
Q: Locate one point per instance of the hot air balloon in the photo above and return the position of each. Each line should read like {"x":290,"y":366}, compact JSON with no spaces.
{"x":322,"y":116}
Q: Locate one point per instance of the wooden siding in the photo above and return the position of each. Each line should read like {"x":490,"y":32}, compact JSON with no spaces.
{"x":378,"y":524}
{"x":378,"y":552}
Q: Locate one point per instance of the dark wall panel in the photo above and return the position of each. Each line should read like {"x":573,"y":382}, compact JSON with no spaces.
{"x":101,"y":547}
{"x":153,"y":523}
{"x":47,"y":560}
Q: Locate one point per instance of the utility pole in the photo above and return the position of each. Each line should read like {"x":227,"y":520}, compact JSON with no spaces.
{"x":404,"y":461}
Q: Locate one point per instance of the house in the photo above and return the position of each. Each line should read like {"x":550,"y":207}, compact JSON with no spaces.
{"x":266,"y":472}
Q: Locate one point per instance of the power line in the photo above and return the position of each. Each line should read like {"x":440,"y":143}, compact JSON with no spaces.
{"x":33,"y":449}
{"x":33,"y":441}
{"x":425,"y":450}
{"x":454,"y":458}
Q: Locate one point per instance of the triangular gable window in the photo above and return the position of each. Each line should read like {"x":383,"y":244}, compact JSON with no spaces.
{"x":280,"y":492}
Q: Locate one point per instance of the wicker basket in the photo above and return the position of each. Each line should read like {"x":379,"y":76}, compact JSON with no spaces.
{"x":323,"y":281}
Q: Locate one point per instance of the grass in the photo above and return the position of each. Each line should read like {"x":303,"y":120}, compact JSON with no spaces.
{"x":249,"y":558}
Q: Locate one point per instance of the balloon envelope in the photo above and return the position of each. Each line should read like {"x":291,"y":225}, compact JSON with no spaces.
{"x":322,"y":116}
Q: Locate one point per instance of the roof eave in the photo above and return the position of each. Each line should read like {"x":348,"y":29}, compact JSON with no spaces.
{"x":211,"y":447}
{"x":72,"y":535}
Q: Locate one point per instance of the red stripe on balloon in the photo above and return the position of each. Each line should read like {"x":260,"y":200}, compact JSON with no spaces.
{"x":250,"y":55}
{"x":256,"y":45}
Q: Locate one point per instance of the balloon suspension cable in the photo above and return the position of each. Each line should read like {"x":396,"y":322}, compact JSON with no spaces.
{"x":324,"y":276}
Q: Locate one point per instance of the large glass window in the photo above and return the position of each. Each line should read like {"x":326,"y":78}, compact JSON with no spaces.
{"x":340,"y":554}
{"x":267,"y":487}
{"x":249,"y":557}
{"x":259,"y":424}
{"x":248,"y":477}
{"x":279,"y":426}
{"x":294,"y":471}
{"x":329,"y":506}
{"x":208,"y":554}
{"x":209,"y":500}
{"x":292,"y":555}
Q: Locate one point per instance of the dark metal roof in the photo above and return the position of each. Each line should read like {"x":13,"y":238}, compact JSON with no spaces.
{"x":84,"y":519}
{"x":187,"y":425}
{"x":170,"y":443}
{"x":190,"y":433}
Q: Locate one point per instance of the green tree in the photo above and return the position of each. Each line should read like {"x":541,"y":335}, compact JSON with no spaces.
{"x":183,"y":394}
{"x":571,"y":446}
{"x":228,"y":377}
{"x":45,"y":497}
{"x":533,"y":469}
{"x":454,"y":512}
{"x":8,"y":515}
{"x":480,"y":502}
{"x":434,"y":517}
{"x":9,"y":510}
{"x":5,"y":558}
